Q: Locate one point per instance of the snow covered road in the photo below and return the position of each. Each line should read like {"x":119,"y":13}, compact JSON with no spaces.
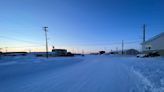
{"x":78,"y":74}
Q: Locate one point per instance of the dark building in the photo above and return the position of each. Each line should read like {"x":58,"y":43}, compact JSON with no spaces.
{"x":60,"y":51}
{"x":131,"y":52}
{"x":101,"y":52}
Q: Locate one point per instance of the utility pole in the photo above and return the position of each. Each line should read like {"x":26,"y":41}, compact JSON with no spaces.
{"x":122,"y":47}
{"x":116,"y":50}
{"x":0,"y":49}
{"x":29,"y":50}
{"x":144,"y":32}
{"x":82,"y":51}
{"x":73,"y":50}
{"x":6,"y":49}
{"x":45,"y":29}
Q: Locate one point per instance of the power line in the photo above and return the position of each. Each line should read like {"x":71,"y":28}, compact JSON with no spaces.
{"x":85,"y":44}
{"x":132,"y":42}
{"x":100,"y":44}
{"x":31,"y":42}
{"x":24,"y":46}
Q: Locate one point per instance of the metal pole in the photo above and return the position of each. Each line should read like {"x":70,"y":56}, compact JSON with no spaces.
{"x":45,"y":29}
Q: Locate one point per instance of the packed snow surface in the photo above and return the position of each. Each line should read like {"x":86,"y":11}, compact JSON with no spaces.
{"x":82,"y":74}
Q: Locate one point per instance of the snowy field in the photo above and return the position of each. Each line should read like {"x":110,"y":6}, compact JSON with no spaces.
{"x":82,"y":74}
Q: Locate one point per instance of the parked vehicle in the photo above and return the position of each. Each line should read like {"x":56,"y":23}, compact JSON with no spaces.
{"x":142,"y":55}
{"x":70,"y":54}
{"x":151,"y":54}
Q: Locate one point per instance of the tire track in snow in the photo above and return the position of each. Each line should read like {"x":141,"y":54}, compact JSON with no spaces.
{"x":94,"y":74}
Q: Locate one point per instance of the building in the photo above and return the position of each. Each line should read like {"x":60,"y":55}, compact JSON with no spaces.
{"x":101,"y":52}
{"x":131,"y":52}
{"x":155,"y":44}
{"x":14,"y":54}
{"x":60,"y":52}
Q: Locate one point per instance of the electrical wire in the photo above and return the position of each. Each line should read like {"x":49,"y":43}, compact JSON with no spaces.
{"x":31,"y":42}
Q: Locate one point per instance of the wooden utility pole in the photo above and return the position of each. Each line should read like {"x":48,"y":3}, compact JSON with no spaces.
{"x":122,"y":47}
{"x":6,"y":49}
{"x":0,"y":49}
{"x":144,"y":32}
{"x":117,"y":50}
{"x":82,"y":51}
{"x":45,"y":29}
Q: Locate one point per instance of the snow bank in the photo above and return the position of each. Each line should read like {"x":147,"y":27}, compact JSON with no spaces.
{"x":150,"y":71}
{"x":23,"y":66}
{"x":94,"y":74}
{"x":9,"y":60}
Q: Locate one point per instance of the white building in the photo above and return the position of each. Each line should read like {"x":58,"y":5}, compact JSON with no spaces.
{"x":60,"y":52}
{"x":156,"y":43}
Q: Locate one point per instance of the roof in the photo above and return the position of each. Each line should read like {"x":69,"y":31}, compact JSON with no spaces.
{"x":154,"y":38}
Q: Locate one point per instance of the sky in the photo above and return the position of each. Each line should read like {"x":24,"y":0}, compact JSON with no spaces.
{"x":78,"y":25}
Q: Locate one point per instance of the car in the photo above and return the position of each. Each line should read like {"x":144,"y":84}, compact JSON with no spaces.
{"x":154,"y":54}
{"x":69,"y":54}
{"x":151,"y":54}
{"x":142,"y":55}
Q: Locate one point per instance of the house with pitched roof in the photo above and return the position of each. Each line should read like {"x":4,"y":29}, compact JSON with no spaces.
{"x":154,"y":44}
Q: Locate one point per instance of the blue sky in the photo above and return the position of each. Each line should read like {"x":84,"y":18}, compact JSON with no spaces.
{"x":78,"y":24}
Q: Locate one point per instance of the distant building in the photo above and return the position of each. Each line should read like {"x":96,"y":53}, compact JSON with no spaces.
{"x":0,"y":51}
{"x":14,"y":54}
{"x":94,"y":53}
{"x":131,"y":52}
{"x":155,"y":44}
{"x":60,"y":51}
{"x":101,"y":52}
